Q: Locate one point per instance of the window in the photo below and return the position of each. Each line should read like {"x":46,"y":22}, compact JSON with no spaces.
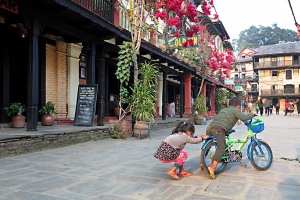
{"x":273,"y":87}
{"x":274,"y":61}
{"x":288,"y":74}
{"x":295,"y":60}
{"x":274,"y":73}
{"x":289,"y":89}
{"x":236,"y":76}
{"x":254,"y":87}
{"x":243,"y":69}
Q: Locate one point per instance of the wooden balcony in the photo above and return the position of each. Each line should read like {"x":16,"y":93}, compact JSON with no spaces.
{"x":286,"y":92}
{"x":277,"y":64}
{"x":102,"y":8}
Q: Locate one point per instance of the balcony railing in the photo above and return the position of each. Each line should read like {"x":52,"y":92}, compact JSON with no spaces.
{"x":282,"y":63}
{"x":102,"y":8}
{"x":279,"y":92}
{"x":252,"y":78}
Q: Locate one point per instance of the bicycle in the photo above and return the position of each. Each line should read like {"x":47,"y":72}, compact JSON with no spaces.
{"x":259,"y":152}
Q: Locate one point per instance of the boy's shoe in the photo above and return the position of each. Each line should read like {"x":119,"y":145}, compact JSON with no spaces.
{"x":173,"y":175}
{"x":211,"y":174}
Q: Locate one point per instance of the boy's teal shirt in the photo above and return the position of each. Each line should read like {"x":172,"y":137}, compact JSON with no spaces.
{"x":228,"y":117}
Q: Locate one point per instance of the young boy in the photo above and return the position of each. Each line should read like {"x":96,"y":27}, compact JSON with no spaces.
{"x":224,"y":121}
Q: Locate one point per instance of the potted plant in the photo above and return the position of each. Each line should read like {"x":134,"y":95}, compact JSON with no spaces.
{"x":142,"y":100}
{"x":46,"y":111}
{"x":15,"y":111}
{"x":200,"y":108}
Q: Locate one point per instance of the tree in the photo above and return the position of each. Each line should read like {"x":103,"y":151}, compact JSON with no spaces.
{"x":254,"y":37}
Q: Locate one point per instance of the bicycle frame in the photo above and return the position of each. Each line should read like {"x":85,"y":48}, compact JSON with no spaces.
{"x":242,"y":142}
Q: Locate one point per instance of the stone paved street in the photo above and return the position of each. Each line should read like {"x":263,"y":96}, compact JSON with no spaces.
{"x":126,"y":169}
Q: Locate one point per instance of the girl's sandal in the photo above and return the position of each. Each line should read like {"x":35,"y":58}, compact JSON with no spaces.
{"x":186,"y":174}
{"x":173,"y":175}
{"x":211,"y":174}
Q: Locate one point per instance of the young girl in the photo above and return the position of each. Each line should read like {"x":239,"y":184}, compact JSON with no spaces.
{"x":171,"y":148}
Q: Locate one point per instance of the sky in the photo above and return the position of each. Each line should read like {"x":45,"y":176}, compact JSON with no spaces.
{"x":239,"y":15}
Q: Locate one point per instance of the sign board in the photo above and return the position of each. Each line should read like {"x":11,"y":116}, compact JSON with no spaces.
{"x":238,"y":88}
{"x":228,"y":81}
{"x":176,"y":42}
{"x":86,"y":105}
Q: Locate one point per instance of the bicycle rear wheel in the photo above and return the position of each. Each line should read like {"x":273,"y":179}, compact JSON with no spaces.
{"x":207,"y":157}
{"x":259,"y":161}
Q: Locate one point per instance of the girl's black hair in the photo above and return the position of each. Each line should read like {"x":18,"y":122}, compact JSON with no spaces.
{"x":187,"y":126}
{"x":176,"y":129}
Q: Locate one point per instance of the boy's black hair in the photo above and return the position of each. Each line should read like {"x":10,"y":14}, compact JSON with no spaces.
{"x":235,"y":101}
{"x":187,"y":126}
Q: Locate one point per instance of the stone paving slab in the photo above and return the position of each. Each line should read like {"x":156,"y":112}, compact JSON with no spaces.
{"x":126,"y":169}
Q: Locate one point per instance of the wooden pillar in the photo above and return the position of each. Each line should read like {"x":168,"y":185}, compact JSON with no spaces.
{"x":203,"y":90}
{"x":213,"y":100}
{"x":181,"y":99}
{"x":101,"y":88}
{"x":91,"y":47}
{"x":116,"y":13}
{"x":159,"y":96}
{"x":164,"y":96}
{"x":187,"y":94}
{"x":33,"y":78}
{"x":4,"y":73}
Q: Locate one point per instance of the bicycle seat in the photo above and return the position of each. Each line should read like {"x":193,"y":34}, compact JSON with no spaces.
{"x":229,"y":132}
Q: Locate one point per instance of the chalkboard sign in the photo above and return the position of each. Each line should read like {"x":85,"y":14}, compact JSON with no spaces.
{"x":86,"y":105}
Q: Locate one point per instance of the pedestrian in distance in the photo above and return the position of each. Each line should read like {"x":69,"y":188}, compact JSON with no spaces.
{"x":298,"y":105}
{"x":287,"y":107}
{"x":256,"y":108}
{"x":260,"y":107}
{"x":171,"y":149}
{"x":267,"y":107}
{"x":223,"y":122}
{"x":245,"y":107}
{"x":277,"y":107}
{"x":271,"y":108}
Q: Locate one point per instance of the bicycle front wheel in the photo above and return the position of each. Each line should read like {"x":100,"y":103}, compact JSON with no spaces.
{"x":207,"y":157}
{"x":261,"y":159}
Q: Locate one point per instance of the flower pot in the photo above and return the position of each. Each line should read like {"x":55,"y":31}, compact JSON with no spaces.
{"x":125,"y":126}
{"x":199,"y":119}
{"x":18,"y":121}
{"x":117,"y":111}
{"x":141,"y":129}
{"x":47,"y":120}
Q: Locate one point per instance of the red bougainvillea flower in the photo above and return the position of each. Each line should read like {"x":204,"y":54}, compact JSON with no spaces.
{"x":189,"y":33}
{"x":216,"y":16}
{"x":161,"y":15}
{"x":176,"y":34}
{"x":184,"y":45}
{"x":173,"y":21}
{"x":191,"y":42}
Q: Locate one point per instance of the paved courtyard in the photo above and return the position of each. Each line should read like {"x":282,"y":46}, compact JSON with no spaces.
{"x":126,"y":170}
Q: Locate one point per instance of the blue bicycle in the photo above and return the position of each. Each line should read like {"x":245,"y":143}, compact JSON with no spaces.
{"x":259,"y":152}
